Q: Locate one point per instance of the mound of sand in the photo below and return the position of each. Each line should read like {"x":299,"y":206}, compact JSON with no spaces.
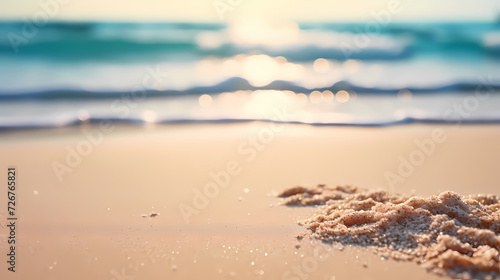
{"x":446,"y":233}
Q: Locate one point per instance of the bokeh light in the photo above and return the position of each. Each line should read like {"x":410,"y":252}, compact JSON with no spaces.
{"x":205,"y":100}
{"x":316,"y":97}
{"x":149,"y":116}
{"x":404,"y":95}
{"x":328,"y":96}
{"x":342,"y":96}
{"x":321,"y":65}
{"x":301,"y":99}
{"x":83,"y":115}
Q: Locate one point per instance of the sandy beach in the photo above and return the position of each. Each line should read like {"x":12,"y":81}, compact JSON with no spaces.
{"x":256,"y":139}
{"x":214,"y":189}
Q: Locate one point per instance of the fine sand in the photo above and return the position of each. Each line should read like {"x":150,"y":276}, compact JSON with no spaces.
{"x":445,"y":233}
{"x":91,"y":225}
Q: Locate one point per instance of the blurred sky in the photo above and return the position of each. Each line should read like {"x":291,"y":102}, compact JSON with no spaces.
{"x":303,"y":10}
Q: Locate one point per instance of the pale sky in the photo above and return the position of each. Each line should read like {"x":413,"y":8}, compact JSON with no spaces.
{"x":203,"y":10}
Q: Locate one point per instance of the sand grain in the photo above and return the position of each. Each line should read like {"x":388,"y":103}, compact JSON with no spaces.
{"x":446,"y":233}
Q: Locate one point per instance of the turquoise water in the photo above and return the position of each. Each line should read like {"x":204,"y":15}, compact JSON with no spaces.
{"x":321,"y":73}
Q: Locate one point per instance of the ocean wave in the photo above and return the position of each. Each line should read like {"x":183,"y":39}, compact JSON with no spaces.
{"x":6,"y":126}
{"x":83,"y":41}
{"x":238,"y":83}
{"x":342,"y":108}
{"x":330,"y":73}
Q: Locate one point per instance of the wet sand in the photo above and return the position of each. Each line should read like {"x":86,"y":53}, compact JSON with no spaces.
{"x":90,"y":224}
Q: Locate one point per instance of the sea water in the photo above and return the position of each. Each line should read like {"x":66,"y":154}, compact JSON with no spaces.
{"x":315,"y":73}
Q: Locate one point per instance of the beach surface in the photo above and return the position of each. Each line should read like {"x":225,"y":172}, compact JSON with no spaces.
{"x":87,"y":197}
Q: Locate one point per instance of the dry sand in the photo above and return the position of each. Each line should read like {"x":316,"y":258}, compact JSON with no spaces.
{"x":445,"y":233}
{"x":90,"y":225}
